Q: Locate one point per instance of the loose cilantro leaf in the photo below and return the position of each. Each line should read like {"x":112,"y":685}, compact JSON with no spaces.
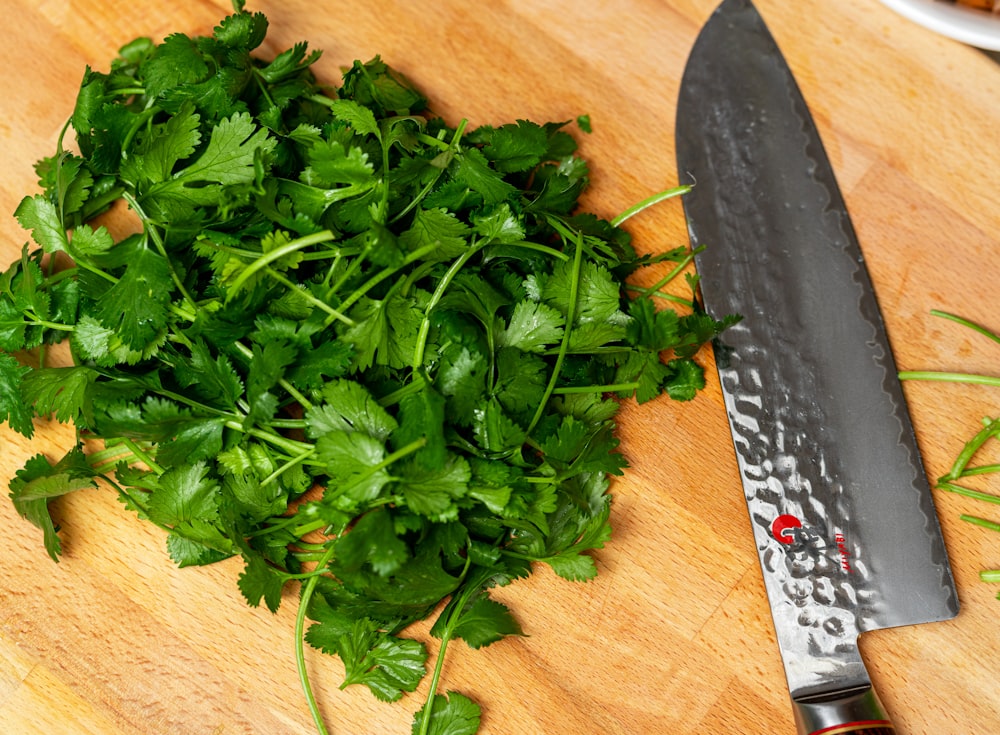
{"x":39,"y":481}
{"x":333,"y":291}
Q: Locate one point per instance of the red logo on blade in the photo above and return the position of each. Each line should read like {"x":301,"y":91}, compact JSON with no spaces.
{"x":781,"y":526}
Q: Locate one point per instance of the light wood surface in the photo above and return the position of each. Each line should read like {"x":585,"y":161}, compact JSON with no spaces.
{"x":674,"y":636}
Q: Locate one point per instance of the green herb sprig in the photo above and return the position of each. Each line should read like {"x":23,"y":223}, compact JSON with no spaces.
{"x":375,"y":356}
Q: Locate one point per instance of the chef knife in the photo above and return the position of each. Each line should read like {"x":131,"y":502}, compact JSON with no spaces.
{"x":840,"y":506}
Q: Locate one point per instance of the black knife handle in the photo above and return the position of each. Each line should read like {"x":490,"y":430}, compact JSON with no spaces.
{"x":853,"y":712}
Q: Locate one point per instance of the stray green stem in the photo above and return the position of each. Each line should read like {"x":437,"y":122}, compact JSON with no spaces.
{"x":990,"y":575}
{"x":649,"y":202}
{"x":947,"y":377}
{"x":966,"y":323}
{"x":295,"y":448}
{"x":285,"y":467}
{"x":974,"y":494}
{"x":545,"y":249}
{"x":283,"y":382}
{"x":989,"y":430}
{"x":985,"y":469}
{"x":975,"y":520}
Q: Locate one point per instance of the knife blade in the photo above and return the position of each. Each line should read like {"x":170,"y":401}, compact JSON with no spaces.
{"x":841,"y":509}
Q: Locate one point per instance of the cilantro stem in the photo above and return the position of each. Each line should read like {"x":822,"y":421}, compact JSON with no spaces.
{"x":676,"y":271}
{"x":442,"y":286}
{"x":991,"y":525}
{"x":414,"y":386}
{"x":966,"y":323}
{"x":283,"y":382}
{"x":143,"y":456}
{"x":446,"y":635}
{"x":649,"y":202}
{"x":153,"y":234}
{"x":545,"y":249}
{"x":279,"y":252}
{"x":574,"y":292}
{"x":974,"y":494}
{"x":386,"y":273}
{"x":990,"y":429}
{"x":110,"y":455}
{"x":947,"y":377}
{"x":613,"y":388}
{"x":37,"y":322}
{"x":285,"y":467}
{"x":302,"y":293}
{"x":300,"y":656}
{"x":981,"y":470}
{"x":292,"y":446}
{"x":669,"y":297}
{"x":990,"y":575}
{"x":452,"y":148}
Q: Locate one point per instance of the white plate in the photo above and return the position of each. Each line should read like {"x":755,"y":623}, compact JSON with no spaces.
{"x":979,"y":28}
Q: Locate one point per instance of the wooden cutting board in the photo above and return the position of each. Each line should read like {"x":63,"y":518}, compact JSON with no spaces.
{"x":674,"y":636}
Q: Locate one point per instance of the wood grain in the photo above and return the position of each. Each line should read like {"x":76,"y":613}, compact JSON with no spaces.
{"x":674,"y":636}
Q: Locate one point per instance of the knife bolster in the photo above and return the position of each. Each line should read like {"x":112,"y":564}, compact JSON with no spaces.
{"x":852,"y":712}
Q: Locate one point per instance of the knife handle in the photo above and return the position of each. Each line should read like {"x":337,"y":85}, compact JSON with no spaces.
{"x":854,"y":712}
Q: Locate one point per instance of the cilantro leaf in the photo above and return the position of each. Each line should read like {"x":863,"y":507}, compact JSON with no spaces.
{"x":354,"y":463}
{"x":454,"y":714}
{"x":227,"y":160}
{"x":38,"y":214}
{"x":135,"y":308}
{"x":39,"y":481}
{"x":185,"y":494}
{"x":385,"y":331}
{"x":437,"y":227}
{"x":186,"y":553}
{"x":359,"y":117}
{"x":480,"y":621}
{"x":63,"y":391}
{"x":259,"y":581}
{"x":461,"y":377}
{"x":387,"y":665}
{"x":422,"y":418}
{"x":516,"y":146}
{"x":350,"y":407}
{"x":372,"y":540}
{"x":685,"y":379}
{"x":475,"y":172}
{"x":13,"y":408}
{"x":433,"y":492}
{"x":533,"y":327}
{"x":331,"y":163}
{"x":174,"y":62}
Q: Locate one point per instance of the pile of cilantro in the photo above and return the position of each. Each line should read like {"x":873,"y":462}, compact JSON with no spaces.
{"x":375,"y":357}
